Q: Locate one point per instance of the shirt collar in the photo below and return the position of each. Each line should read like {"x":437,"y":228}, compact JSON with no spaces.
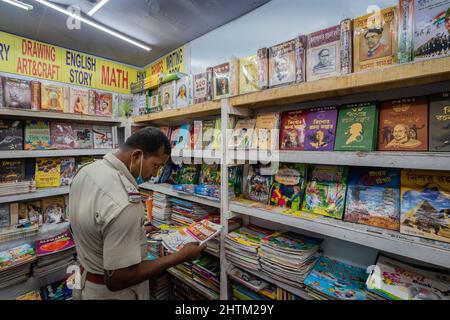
{"x":114,"y":162}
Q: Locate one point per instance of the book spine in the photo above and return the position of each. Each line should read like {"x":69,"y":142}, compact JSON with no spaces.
{"x":263,"y":68}
{"x":405,"y":31}
{"x":2,"y":99}
{"x":210,"y":83}
{"x":234,"y":77}
{"x":300,"y":58}
{"x":346,"y":47}
{"x":35,"y":95}
{"x":14,"y":213}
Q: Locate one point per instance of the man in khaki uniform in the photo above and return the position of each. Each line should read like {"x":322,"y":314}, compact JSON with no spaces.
{"x":107,"y":221}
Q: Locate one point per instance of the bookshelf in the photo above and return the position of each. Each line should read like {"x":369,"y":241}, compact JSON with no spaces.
{"x":22,"y":154}
{"x":39,"y":194}
{"x":194,"y":285}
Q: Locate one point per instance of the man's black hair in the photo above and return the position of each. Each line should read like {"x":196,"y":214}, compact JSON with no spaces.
{"x":373,"y":30}
{"x":150,"y":140}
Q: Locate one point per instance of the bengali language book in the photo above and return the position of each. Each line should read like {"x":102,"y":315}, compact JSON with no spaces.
{"x":12,"y":170}
{"x":36,"y":95}
{"x":48,"y":172}
{"x":208,"y":134}
{"x":287,"y":190}
{"x":425,"y":204}
{"x":301,"y":46}
{"x":102,"y":137}
{"x":282,"y":64}
{"x":62,"y":136}
{"x":293,"y":130}
{"x":357,"y":127}
{"x":11,"y":135}
{"x":373,"y":197}
{"x":182,"y":140}
{"x":321,"y":128}
{"x":263,"y":68}
{"x":168,"y":95}
{"x":54,"y":210}
{"x":52,"y":97}
{"x":103,"y":104}
{"x":346,"y":46}
{"x":242,"y":134}
{"x":68,"y":170}
{"x":248,"y":74}
{"x":83,"y":134}
{"x":79,"y":101}
{"x":258,"y":185}
{"x":92,"y":95}
{"x":405,"y":30}
{"x":17,"y":93}
{"x":183,"y":92}
{"x":439,"y":122}
{"x":37,"y":135}
{"x":203,"y":86}
{"x":222,"y":80}
{"x":266,"y":135}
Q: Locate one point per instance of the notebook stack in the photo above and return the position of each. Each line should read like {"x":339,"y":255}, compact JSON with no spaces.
{"x":15,"y":265}
{"x":11,"y":188}
{"x":162,"y":210}
{"x":185,"y":213}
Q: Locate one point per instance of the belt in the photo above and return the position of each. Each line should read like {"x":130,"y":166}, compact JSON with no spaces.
{"x":94,"y":278}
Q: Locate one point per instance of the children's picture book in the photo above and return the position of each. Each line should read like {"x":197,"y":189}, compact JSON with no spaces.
{"x":258,"y":185}
{"x":263,"y":68}
{"x":58,"y":243}
{"x":15,"y":256}
{"x":103,"y":104}
{"x":242,"y":134}
{"x":293,"y":130}
{"x":375,"y":39}
{"x":248,"y":74}
{"x":425,"y":204}
{"x":266,"y":135}
{"x":404,"y":125}
{"x":183,"y":138}
{"x":357,"y":127}
{"x":431,"y":29}
{"x":209,"y":174}
{"x":11,"y":135}
{"x":84,"y":137}
{"x":62,"y":136}
{"x":168,"y":95}
{"x":12,"y":170}
{"x":287,"y":191}
{"x":17,"y":93}
{"x":37,"y":135}
{"x":405,"y":30}
{"x":183,"y":92}
{"x":439,"y":123}
{"x":48,"y":172}
{"x":222,"y":81}
{"x":54,"y":210}
{"x":325,"y":190}
{"x":102,"y":137}
{"x":79,"y":101}
{"x":36,"y":95}
{"x":373,"y":197}
{"x":337,"y":280}
{"x":203,"y":86}
{"x":68,"y":170}
{"x":321,"y":128}
{"x":282,"y":64}
{"x":395,"y":280}
{"x":52,"y":97}
{"x":200,"y":232}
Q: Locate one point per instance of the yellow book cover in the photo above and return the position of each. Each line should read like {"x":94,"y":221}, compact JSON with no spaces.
{"x":48,"y":172}
{"x":425,"y":204}
{"x":248,"y":74}
{"x":52,"y":98}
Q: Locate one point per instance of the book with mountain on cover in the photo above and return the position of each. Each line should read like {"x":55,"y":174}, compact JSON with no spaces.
{"x":321,"y":128}
{"x":103,"y":104}
{"x":58,"y":243}
{"x":68,"y":170}
{"x":282,"y":64}
{"x":102,"y":137}
{"x":357,"y":127}
{"x":83,"y":136}
{"x":62,"y":136}
{"x":288,"y":188}
{"x":11,"y":134}
{"x":79,"y":101}
{"x":48,"y":172}
{"x":293,"y":130}
{"x":258,"y":185}
{"x":248,"y":74}
{"x":396,"y":280}
{"x":431,"y":29}
{"x":53,"y":98}
{"x":242,"y":134}
{"x":404,"y":125}
{"x":203,"y":87}
{"x":405,"y":30}
{"x":266,"y":135}
{"x":425,"y":204}
{"x":182,"y":139}
{"x":373,"y":197}
{"x":325,"y":190}
{"x":168,"y":95}
{"x":37,"y":135}
{"x":12,"y":170}
{"x":17,"y":93}
{"x":183,"y":92}
{"x":54,"y":210}
{"x":439,"y":122}
{"x":375,"y":39}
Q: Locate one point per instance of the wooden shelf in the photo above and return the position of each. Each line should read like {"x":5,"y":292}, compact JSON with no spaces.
{"x":194,"y":285}
{"x":194,"y":111}
{"x":391,"y":77}
{"x":433,"y":252}
{"x":21,"y":154}
{"x":410,"y":160}
{"x":39,"y":194}
{"x":19,"y":113}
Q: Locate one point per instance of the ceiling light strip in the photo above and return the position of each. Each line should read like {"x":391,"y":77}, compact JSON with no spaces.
{"x":97,"y":7}
{"x":19,"y":4}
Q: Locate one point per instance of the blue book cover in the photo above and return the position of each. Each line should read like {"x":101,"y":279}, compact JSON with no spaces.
{"x":183,"y":140}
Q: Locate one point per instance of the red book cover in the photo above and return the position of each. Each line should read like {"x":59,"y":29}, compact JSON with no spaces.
{"x":293,"y":128}
{"x":103,"y":104}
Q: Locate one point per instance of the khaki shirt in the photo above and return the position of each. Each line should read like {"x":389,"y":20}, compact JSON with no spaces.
{"x":107,"y":225}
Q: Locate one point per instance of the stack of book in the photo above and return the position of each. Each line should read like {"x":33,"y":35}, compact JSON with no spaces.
{"x":242,"y":246}
{"x":288,"y":257}
{"x":15,"y":265}
{"x":54,"y":253}
{"x":206,"y":272}
{"x":161,"y":288}
{"x":11,"y":188}
{"x":161,"y":211}
{"x":259,"y":289}
{"x":184,"y":292}
{"x":185,"y":213}
{"x":241,"y":292}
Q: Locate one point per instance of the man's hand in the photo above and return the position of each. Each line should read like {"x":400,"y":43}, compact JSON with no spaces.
{"x":150,"y":228}
{"x":191,"y":251}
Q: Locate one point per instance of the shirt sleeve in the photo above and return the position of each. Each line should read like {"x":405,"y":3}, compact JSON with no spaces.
{"x":122,"y":239}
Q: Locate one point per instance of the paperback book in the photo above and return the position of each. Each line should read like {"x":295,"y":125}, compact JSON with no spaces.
{"x":242,"y":134}
{"x":68,"y":170}
{"x":17,"y":93}
{"x":258,"y":185}
{"x":56,"y":244}
{"x":288,"y":189}
{"x":48,"y":172}
{"x":12,"y":170}
{"x":321,"y":128}
{"x":52,"y":97}
{"x":83,"y":134}
{"x":282,"y":64}
{"x":183,"y":92}
{"x":102,"y":137}
{"x":79,"y":101}
{"x":203,"y":86}
{"x":301,"y":47}
{"x":36,"y":95}
{"x":222,"y":80}
{"x":439,"y":122}
{"x":103,"y":104}
{"x":248,"y":74}
{"x":293,"y":130}
{"x":62,"y":136}
{"x":263,"y":68}
{"x":11,"y":135}
{"x":168,"y":95}
{"x":54,"y":210}
{"x":266,"y":135}
{"x":405,"y":30}
{"x":37,"y":135}
{"x":183,"y":138}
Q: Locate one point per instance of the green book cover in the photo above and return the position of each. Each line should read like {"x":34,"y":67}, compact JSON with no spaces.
{"x":357,"y":128}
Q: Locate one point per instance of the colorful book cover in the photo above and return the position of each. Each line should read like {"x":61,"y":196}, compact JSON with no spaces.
{"x":36,"y":95}
{"x":188,"y":174}
{"x":222,"y":81}
{"x":102,"y":137}
{"x":52,"y":97}
{"x":321,"y":128}
{"x":324,"y":54}
{"x":399,"y":281}
{"x":439,"y":122}
{"x":266,"y":136}
{"x":5,"y":220}
{"x":217,"y":137}
{"x":83,"y":134}
{"x":293,"y":130}
{"x":425,"y":204}
{"x":16,"y":256}
{"x":291,"y":242}
{"x":263,"y":68}
{"x":168,"y":95}
{"x":373,"y":197}
{"x":202,"y":89}
{"x":301,"y":47}
{"x":17,"y":93}
{"x":79,"y":101}
{"x":404,"y":125}
{"x":325,"y":191}
{"x":209,"y":174}
{"x":338,"y":280}
{"x":431,"y":29}
{"x":62,"y":136}
{"x":68,"y":170}
{"x":37,"y":135}
{"x":242,"y":134}
{"x":282,"y":64}
{"x":174,"y":136}
{"x":287,"y":191}
{"x":405,"y":30}
{"x":248,"y":74}
{"x":56,"y":291}
{"x":258,"y":185}
{"x":183,"y":90}
{"x":357,"y":127}
{"x":31,"y":211}
{"x":103,"y":104}
{"x":183,"y":139}
{"x":12,"y":170}
{"x":58,"y":243}
{"x":54,"y":210}
{"x":375,"y":39}
{"x":125,"y":106}
{"x":48,"y":172}
{"x":11,"y":135}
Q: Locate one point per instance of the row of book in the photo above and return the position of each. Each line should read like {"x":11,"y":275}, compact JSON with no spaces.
{"x":412,"y":30}
{"x":414,"y":202}
{"x":46,"y":135}
{"x":45,"y":96}
{"x":325,"y":277}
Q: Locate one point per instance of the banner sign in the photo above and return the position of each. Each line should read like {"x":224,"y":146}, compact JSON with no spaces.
{"x":175,"y":61}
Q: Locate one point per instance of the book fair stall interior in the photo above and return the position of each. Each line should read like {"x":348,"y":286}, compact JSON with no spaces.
{"x":310,"y":143}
